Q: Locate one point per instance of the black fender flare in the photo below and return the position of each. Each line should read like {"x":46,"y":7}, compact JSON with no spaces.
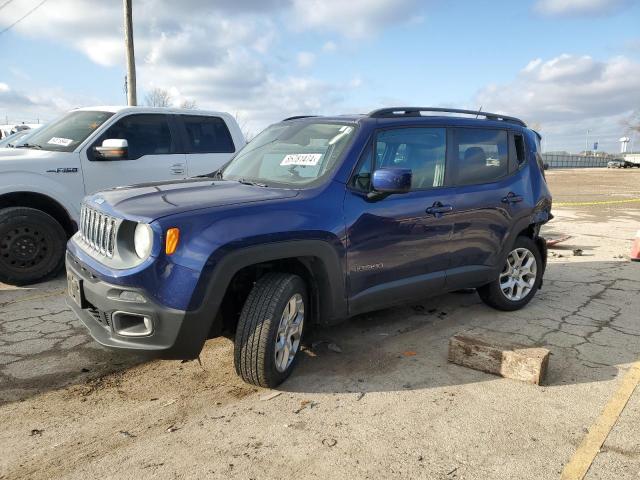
{"x":520,"y":226}
{"x":226,"y":262}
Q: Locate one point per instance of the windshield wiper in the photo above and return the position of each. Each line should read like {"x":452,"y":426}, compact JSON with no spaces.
{"x":214,"y":174}
{"x":29,"y":145}
{"x":248,"y":182}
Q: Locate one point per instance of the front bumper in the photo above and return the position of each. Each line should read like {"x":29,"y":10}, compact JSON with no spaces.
{"x":174,"y":333}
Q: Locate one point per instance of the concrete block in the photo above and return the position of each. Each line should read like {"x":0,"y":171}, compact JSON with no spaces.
{"x":514,"y":361}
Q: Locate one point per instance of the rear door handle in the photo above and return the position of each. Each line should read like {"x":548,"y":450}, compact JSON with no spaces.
{"x":512,"y":198}
{"x":177,"y":169}
{"x":437,"y":209}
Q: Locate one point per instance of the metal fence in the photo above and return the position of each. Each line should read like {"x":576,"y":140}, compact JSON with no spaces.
{"x":573,"y":161}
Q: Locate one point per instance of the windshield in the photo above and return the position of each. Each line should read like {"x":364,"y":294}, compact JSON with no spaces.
{"x":66,"y":134}
{"x":14,"y":138}
{"x":291,"y":154}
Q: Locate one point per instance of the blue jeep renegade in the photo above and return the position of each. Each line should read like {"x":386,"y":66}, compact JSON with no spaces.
{"x":315,"y":220}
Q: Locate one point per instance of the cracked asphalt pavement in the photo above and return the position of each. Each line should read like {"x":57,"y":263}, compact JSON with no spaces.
{"x":387,"y":405}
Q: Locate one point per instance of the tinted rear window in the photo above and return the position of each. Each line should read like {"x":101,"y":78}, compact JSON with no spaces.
{"x":207,"y":135}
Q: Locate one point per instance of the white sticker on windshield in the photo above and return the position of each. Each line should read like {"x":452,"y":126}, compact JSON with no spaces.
{"x":306,"y":159}
{"x":63,"y":142}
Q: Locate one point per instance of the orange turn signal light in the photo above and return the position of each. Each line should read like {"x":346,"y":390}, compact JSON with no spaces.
{"x":171,"y":242}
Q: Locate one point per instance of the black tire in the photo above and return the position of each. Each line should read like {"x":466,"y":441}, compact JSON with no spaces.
{"x":255,"y":340}
{"x":32,"y":245}
{"x":492,"y":293}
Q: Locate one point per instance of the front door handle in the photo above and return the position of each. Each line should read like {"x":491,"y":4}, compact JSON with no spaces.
{"x":177,"y":169}
{"x":437,"y":209}
{"x":512,"y":198}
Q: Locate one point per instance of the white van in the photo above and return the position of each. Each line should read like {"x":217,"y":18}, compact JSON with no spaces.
{"x":43,"y":179}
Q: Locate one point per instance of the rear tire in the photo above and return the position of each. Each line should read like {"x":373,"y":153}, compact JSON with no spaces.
{"x":270,"y":329}
{"x":519,"y":280}
{"x":32,"y":245}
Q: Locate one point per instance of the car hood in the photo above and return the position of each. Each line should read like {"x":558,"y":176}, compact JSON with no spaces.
{"x":150,"y":201}
{"x":9,"y":154}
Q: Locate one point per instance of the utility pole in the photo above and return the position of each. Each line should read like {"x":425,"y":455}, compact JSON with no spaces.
{"x":131,"y":61}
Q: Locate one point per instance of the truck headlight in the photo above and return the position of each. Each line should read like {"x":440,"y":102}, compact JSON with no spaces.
{"x":143,"y":240}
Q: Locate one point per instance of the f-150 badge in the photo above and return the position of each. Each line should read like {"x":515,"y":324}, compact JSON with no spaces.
{"x":63,"y":170}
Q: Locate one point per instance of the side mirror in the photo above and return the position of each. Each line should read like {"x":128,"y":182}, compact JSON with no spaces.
{"x":545,"y":166}
{"x":391,"y":180}
{"x":112,"y":149}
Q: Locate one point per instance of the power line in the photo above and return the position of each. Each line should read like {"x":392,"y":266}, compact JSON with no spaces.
{"x":5,"y":4}
{"x":22,"y":17}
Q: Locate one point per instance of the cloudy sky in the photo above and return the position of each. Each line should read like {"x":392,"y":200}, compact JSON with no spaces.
{"x":564,"y":66}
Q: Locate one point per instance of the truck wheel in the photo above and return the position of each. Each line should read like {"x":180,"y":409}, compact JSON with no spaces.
{"x":32,"y":245}
{"x":270,"y":329}
{"x":519,"y":280}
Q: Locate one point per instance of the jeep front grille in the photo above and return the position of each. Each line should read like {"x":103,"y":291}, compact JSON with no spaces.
{"x":98,"y":230}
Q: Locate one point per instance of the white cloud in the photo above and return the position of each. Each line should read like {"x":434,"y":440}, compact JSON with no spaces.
{"x":224,"y":57}
{"x":40,"y":105}
{"x":305,"y":59}
{"x":579,"y":7}
{"x":353,"y":18}
{"x":329,"y":47}
{"x":569,"y":94}
{"x":19,"y":74}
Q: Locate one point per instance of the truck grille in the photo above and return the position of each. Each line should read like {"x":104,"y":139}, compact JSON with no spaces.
{"x":98,"y":230}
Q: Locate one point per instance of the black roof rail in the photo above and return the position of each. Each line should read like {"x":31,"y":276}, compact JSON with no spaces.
{"x":415,"y":112}
{"x":296,"y":117}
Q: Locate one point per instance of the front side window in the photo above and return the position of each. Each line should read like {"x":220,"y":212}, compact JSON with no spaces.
{"x":207,"y":135}
{"x":361,"y":179}
{"x":482,"y":155}
{"x":146,"y":134}
{"x":422,"y":150}
{"x":66,"y":134}
{"x":291,"y":154}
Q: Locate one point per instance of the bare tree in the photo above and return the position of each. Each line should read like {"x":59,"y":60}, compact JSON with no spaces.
{"x":158,"y":97}
{"x":633,"y":122}
{"x":243,"y":124}
{"x":189,"y":104}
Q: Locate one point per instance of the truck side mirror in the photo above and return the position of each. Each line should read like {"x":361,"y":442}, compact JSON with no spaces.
{"x":112,"y":149}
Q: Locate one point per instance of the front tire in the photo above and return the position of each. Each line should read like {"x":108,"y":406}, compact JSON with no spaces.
{"x":270,"y":329}
{"x":32,"y":245}
{"x":519,"y":280}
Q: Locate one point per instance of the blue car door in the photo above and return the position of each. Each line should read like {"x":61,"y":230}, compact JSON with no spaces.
{"x":490,"y":194}
{"x":397,"y":245}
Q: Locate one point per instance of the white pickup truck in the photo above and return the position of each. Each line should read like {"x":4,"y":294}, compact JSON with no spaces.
{"x":43,"y":179}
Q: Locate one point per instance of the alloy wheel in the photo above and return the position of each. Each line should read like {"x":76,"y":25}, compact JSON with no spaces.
{"x":519,"y":274}
{"x":289,"y":332}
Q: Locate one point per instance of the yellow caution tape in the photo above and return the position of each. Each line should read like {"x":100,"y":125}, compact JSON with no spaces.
{"x":603,"y":202}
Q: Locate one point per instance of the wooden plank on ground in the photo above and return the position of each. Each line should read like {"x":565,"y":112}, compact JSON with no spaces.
{"x":518,"y":362}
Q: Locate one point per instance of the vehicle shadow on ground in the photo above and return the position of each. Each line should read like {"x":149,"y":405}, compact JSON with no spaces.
{"x":585,"y":315}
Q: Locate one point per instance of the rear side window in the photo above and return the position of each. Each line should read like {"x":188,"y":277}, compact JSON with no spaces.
{"x":423,"y":150}
{"x":146,"y":134}
{"x":207,"y":135}
{"x":519,"y":143}
{"x":482,"y":155}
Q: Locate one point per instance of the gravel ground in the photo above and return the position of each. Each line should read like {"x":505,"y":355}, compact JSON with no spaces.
{"x":388,"y":405}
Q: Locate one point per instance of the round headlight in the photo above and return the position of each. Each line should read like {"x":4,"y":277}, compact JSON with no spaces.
{"x":143,"y":240}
